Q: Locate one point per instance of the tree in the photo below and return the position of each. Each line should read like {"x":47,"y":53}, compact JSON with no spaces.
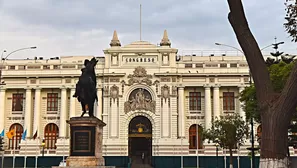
{"x":228,"y":132}
{"x":279,"y":73}
{"x":276,"y":108}
{"x":291,"y":22}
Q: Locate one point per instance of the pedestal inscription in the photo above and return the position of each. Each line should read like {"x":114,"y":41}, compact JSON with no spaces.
{"x":82,"y":141}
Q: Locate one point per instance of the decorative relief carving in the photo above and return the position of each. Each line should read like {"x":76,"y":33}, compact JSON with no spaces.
{"x":165,"y":92}
{"x":157,"y":86}
{"x":140,"y":76}
{"x":123,"y":86}
{"x":174,"y":90}
{"x":106,"y":88}
{"x":114,"y":92}
{"x":106,"y":80}
{"x":173,"y":79}
{"x":140,"y":99}
{"x":212,"y":80}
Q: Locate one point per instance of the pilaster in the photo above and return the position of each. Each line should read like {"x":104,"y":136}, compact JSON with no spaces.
{"x":62,"y":129}
{"x":37,"y":109}
{"x":28,"y":112}
{"x":2,"y":109}
{"x":207,"y":108}
{"x":181,"y":112}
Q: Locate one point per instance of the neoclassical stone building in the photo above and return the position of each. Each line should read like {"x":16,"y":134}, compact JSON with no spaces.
{"x":152,"y":100}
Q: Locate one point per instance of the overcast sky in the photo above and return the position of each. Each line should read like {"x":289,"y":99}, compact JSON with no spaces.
{"x":85,"y":27}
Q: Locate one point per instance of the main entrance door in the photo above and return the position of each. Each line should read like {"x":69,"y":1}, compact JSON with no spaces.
{"x":140,"y":141}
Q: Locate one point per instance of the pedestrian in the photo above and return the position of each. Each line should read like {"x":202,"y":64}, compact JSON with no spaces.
{"x":142,"y":157}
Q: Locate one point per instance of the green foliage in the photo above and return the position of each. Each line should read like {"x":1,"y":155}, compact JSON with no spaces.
{"x":291,"y":22}
{"x":279,"y":74}
{"x":228,"y":131}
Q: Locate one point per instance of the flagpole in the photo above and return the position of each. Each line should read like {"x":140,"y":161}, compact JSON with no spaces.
{"x":13,"y":162}
{"x":36,"y":156}
{"x":25,"y":158}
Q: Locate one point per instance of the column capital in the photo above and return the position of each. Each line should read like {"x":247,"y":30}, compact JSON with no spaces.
{"x":37,"y":88}
{"x":206,"y":86}
{"x":242,"y":86}
{"x":216,"y":86}
{"x":180,"y":85}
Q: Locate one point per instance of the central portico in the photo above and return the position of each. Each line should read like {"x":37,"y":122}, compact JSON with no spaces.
{"x":140,"y":90}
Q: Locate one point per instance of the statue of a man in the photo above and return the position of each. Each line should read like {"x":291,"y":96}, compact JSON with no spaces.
{"x":85,"y":91}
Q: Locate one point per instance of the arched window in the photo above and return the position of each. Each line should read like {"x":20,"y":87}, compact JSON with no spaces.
{"x":51,"y":133}
{"x":14,"y":142}
{"x":193,"y":136}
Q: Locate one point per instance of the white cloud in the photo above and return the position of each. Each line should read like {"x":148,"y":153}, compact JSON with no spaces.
{"x":85,"y":27}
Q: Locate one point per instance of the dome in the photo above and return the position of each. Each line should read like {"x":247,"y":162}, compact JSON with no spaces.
{"x":140,"y":44}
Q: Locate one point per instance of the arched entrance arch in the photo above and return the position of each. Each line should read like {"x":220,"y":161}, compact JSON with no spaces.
{"x":140,"y":140}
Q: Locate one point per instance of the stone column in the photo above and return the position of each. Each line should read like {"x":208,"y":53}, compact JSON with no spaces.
{"x":216,"y":101}
{"x":72,"y":108}
{"x":181,"y":111}
{"x":63,"y":113}
{"x":36,"y":123}
{"x":2,"y":110}
{"x":99,"y":104}
{"x":241,"y":111}
{"x":207,"y":107}
{"x":28,"y":112}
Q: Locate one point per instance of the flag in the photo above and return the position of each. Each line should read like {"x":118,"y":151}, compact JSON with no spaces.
{"x":10,"y":134}
{"x":2,"y":133}
{"x":35,"y":135}
{"x":24,"y":135}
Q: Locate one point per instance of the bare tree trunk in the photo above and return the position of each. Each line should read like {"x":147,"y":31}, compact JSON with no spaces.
{"x":231,"y":157}
{"x":276,"y":108}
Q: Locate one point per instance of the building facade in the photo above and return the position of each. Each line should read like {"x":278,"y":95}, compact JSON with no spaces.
{"x":152,"y":100}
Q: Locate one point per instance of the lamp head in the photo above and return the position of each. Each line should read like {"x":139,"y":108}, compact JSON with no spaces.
{"x":217,"y":44}
{"x":33,"y":47}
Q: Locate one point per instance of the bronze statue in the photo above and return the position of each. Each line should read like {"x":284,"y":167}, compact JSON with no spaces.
{"x":85,"y":91}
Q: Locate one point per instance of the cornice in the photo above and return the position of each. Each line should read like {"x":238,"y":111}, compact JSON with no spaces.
{"x":111,"y":74}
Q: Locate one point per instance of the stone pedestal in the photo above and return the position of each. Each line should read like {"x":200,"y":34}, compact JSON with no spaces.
{"x":85,"y":142}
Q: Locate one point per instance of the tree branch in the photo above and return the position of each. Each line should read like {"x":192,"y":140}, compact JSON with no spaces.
{"x":251,"y":50}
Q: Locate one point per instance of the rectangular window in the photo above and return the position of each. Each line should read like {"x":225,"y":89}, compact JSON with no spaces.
{"x":228,"y":101}
{"x":46,"y":67}
{"x":199,"y":65}
{"x":11,"y":67}
{"x":223,"y":65}
{"x":188,"y":66}
{"x":233,"y":65}
{"x":52,"y":102}
{"x":56,"y":66}
{"x":21,"y":67}
{"x":17,"y":101}
{"x":195,"y":100}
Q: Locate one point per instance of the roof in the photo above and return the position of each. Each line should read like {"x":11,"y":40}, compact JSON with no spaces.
{"x":140,"y":44}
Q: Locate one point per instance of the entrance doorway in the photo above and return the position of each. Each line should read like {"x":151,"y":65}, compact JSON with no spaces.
{"x":140,"y":141}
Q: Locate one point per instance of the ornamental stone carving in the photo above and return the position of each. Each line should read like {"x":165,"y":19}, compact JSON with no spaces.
{"x":114,"y":92}
{"x":165,"y":92}
{"x":140,"y":99}
{"x":140,"y":76}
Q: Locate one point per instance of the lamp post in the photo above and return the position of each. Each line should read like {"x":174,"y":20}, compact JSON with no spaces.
{"x":3,"y":60}
{"x":43,"y":145}
{"x":217,"y":154}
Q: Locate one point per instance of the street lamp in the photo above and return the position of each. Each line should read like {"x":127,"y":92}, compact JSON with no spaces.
{"x":217,"y":153}
{"x":3,"y":60}
{"x":43,"y":145}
